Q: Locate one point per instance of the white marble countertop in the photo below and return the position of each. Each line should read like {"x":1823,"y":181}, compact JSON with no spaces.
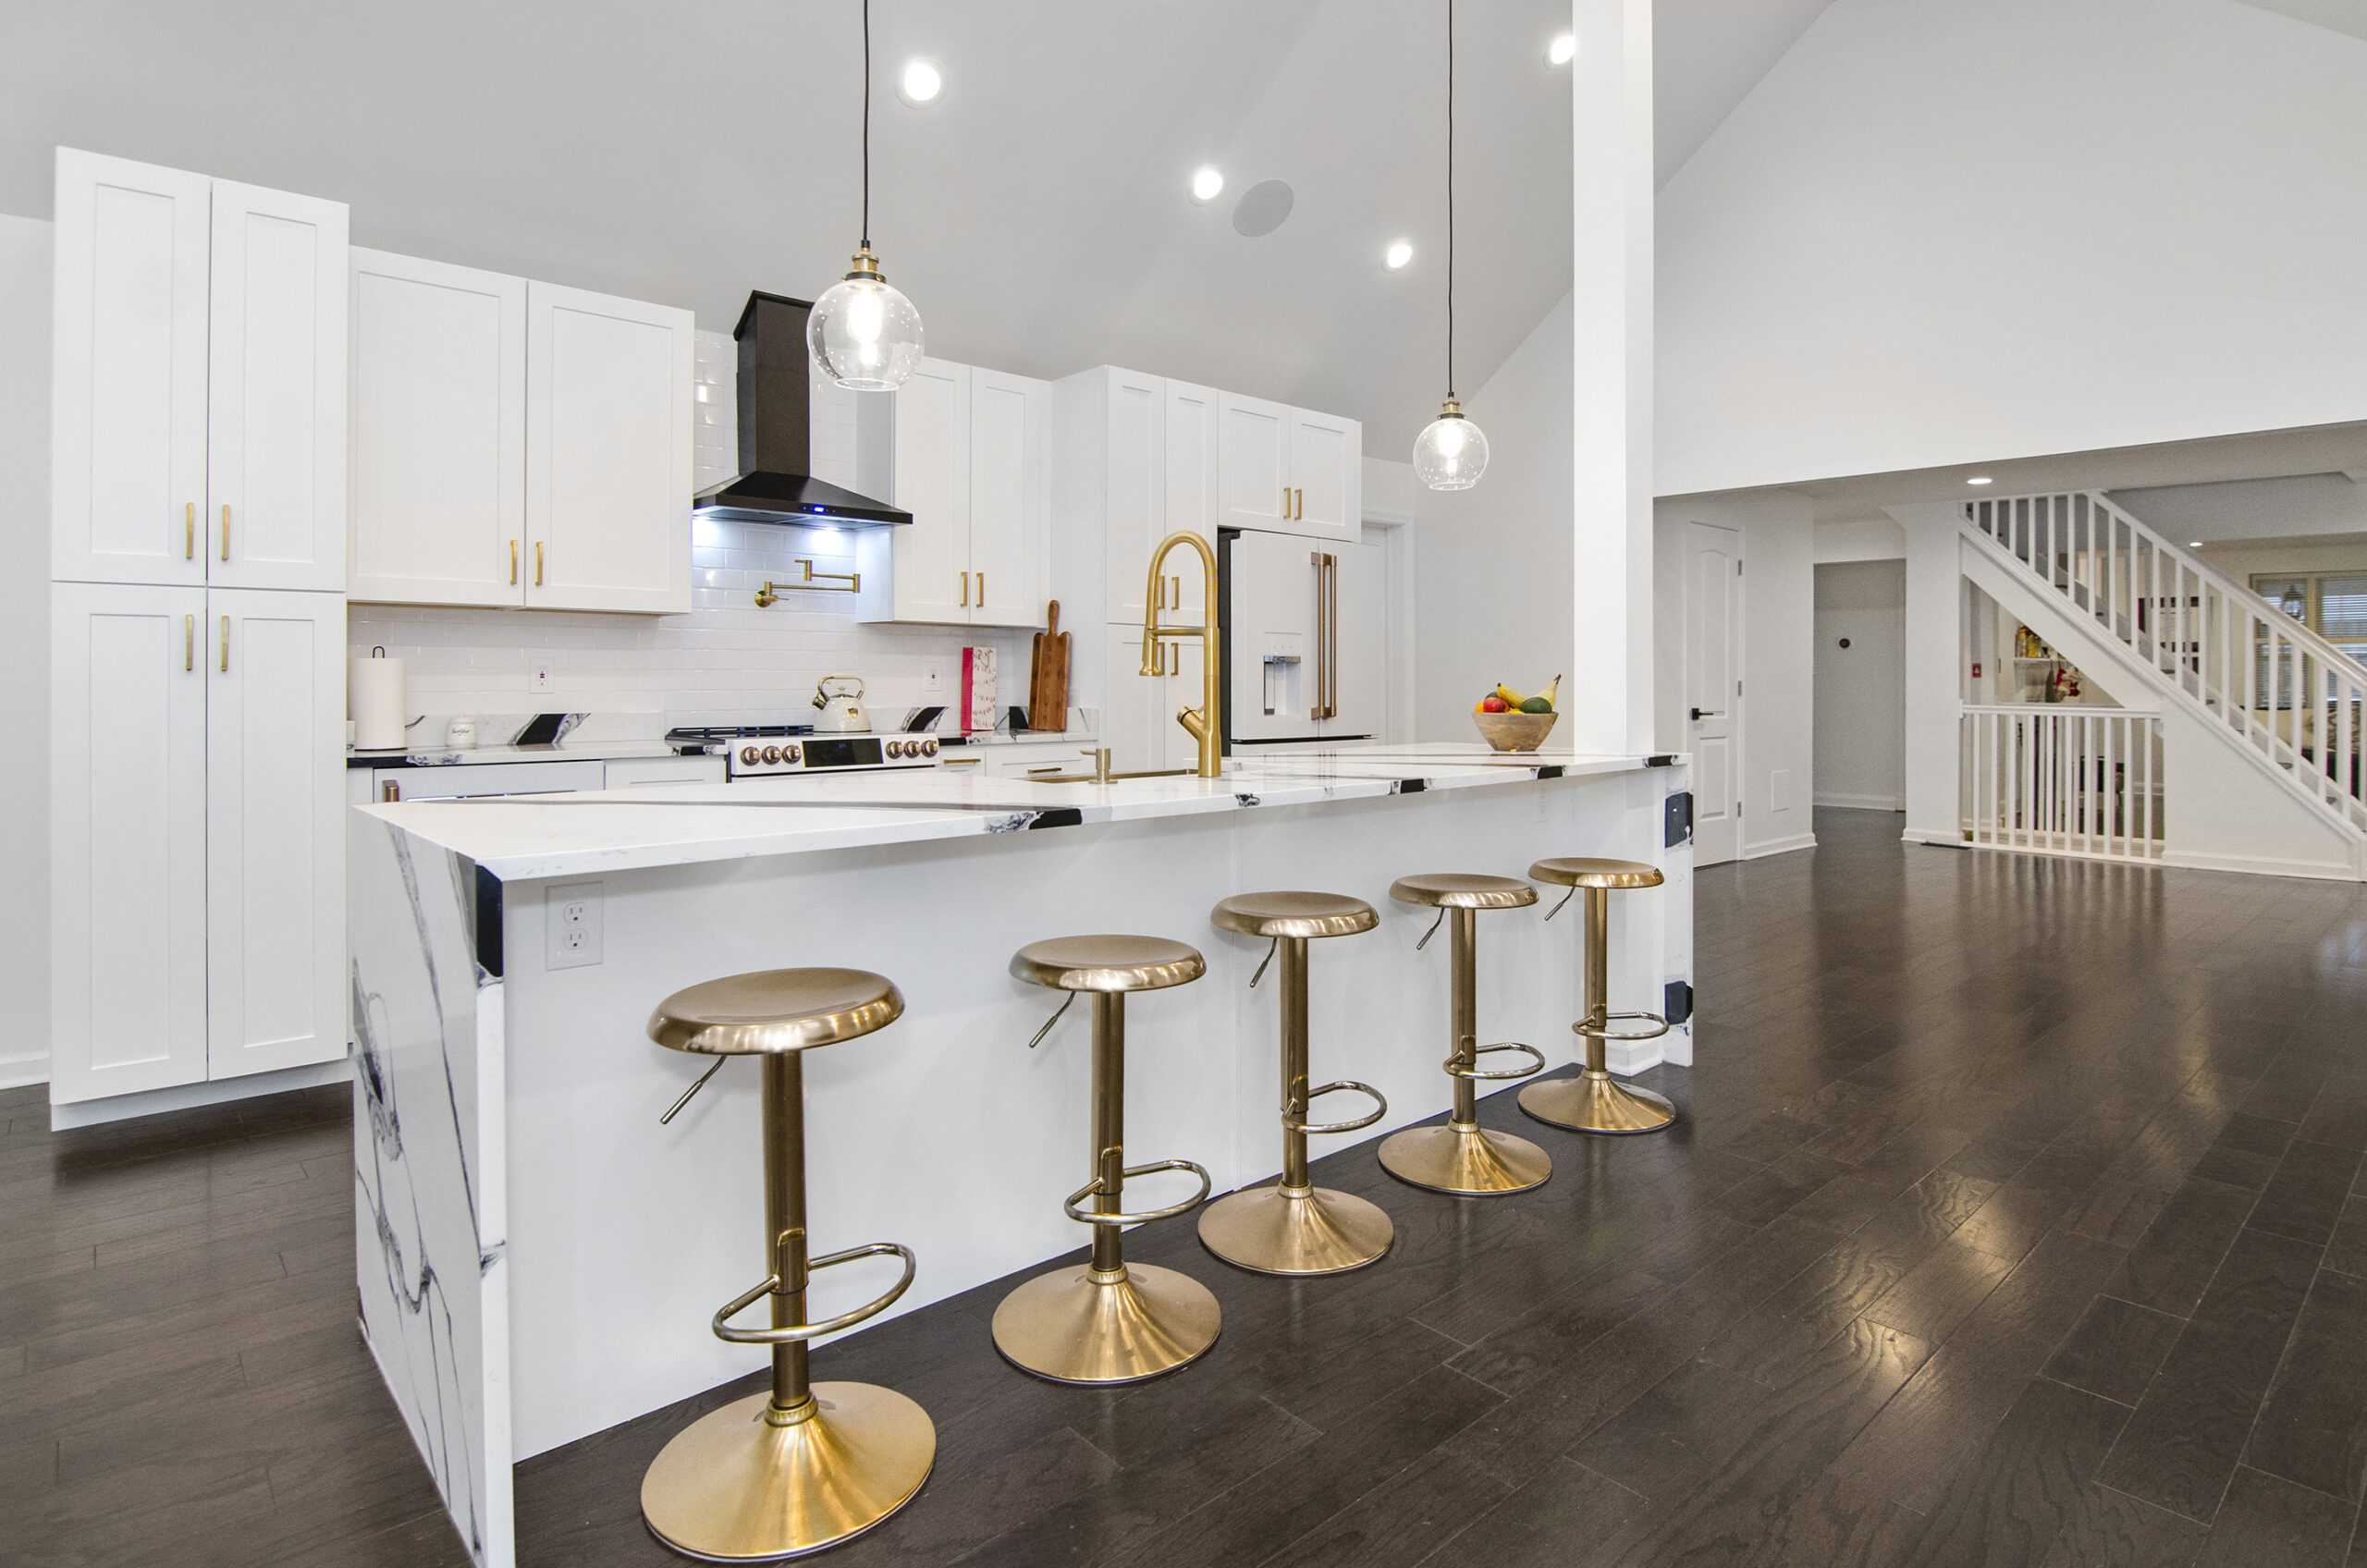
{"x":565,"y":751}
{"x":530,"y":836}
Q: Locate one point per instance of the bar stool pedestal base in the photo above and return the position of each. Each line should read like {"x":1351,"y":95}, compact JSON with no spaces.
{"x":1313,"y":1230}
{"x":1072,"y":1328}
{"x":732,"y":1488}
{"x":1474,"y":1161}
{"x":1596,"y":1102}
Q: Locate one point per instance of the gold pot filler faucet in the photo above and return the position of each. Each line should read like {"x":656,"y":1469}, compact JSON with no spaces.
{"x":1207,"y":722}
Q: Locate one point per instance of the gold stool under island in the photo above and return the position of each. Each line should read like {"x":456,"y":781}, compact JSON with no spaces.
{"x":1464,"y":1156}
{"x":807,"y":1465}
{"x":1595,"y":1101}
{"x":1105,"y":1322}
{"x":1295,"y":1226}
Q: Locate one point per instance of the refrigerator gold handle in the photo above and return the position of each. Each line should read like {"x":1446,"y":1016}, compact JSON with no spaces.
{"x":226,"y":644}
{"x":189,"y":533}
{"x":226,"y":531}
{"x":189,"y":642}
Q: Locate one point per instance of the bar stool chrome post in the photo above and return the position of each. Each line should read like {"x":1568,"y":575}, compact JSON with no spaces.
{"x":1463,"y":1156}
{"x":1295,"y":1226}
{"x":1109,"y":1322}
{"x":807,"y":1465}
{"x":1595,"y":1101}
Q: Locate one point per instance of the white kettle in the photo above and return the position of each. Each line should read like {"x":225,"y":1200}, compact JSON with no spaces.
{"x":842,"y":710}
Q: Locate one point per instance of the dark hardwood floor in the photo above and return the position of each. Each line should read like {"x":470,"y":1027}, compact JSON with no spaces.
{"x":2016,"y":1217}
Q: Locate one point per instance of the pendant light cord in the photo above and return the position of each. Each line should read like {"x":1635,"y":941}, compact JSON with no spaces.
{"x":866,"y":125}
{"x":1450,"y":198}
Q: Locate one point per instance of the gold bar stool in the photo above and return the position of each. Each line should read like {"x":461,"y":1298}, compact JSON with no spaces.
{"x":1464,"y":1156}
{"x":1295,"y":1226}
{"x":1107,"y":1321}
{"x":807,"y":1465}
{"x":1595,"y":1101}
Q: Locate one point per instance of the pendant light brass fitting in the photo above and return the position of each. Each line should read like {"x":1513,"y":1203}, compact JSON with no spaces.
{"x":1451,"y":410}
{"x":867,"y":266}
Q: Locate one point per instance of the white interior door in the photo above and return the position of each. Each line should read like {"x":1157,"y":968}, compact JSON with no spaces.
{"x":276,"y":407}
{"x":1190,"y":484}
{"x":1359,"y":652}
{"x":1135,"y":430}
{"x":1007,"y":497}
{"x":932,"y":552}
{"x":608,"y":452}
{"x":127,"y":368}
{"x":438,"y":438}
{"x":1327,"y":475}
{"x":127,"y":840}
{"x":1713,"y":688}
{"x":274,"y":795}
{"x":1253,"y":463}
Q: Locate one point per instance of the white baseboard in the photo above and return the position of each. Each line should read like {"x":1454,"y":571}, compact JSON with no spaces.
{"x":1779,"y":846}
{"x":1860,"y":803}
{"x":188,"y":1096}
{"x":2316,"y":871}
{"x":23,"y":1068}
{"x":1941,"y":838}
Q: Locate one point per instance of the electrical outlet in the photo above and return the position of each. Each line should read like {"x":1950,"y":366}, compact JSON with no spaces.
{"x":538,"y":675}
{"x":932,"y":679}
{"x":571,"y":925}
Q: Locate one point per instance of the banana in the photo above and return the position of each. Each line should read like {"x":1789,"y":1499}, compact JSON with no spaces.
{"x":1512,"y":699}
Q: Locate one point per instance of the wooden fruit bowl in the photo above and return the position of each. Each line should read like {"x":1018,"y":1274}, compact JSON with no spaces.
{"x":1514,"y":732}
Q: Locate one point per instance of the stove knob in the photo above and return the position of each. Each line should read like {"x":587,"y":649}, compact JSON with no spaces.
{"x":747,"y":756}
{"x":895,"y":748}
{"x":789,"y":753}
{"x":772,"y":753}
{"x":929,"y":746}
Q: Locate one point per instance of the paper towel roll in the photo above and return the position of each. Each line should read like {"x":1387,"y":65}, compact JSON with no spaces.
{"x":374,"y":700}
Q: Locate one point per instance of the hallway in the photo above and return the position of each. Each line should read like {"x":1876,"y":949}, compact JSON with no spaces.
{"x":2015,"y":1220}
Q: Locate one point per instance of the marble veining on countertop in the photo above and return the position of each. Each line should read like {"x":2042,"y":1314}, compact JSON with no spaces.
{"x":531,"y":837}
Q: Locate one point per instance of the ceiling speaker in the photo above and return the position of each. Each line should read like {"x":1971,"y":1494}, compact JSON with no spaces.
{"x":1262,"y":208}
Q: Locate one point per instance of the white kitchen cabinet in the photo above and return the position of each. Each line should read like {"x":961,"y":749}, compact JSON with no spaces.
{"x":1326,"y":476}
{"x":608,"y":453}
{"x":640,"y":773}
{"x":275,"y":409}
{"x":1138,"y":711}
{"x":467,"y":781}
{"x":437,"y":499}
{"x":970,"y":466}
{"x":274,"y":813}
{"x":1192,"y":494}
{"x":1253,"y":463}
{"x":127,"y":917}
{"x":1109,"y":492}
{"x":197,"y":361}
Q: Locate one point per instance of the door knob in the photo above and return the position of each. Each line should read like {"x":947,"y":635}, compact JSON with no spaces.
{"x":1700,"y":714}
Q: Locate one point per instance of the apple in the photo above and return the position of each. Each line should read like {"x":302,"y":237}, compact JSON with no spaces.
{"x":1493,"y":705}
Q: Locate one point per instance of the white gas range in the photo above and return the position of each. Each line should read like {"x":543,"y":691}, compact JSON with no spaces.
{"x":781,"y":751}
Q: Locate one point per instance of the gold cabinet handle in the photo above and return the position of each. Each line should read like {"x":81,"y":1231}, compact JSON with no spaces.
{"x":188,"y":533}
{"x":1175,"y":596}
{"x":393,"y":792}
{"x":226,"y":531}
{"x":513,"y":563}
{"x":189,"y":642}
{"x":538,"y":563}
{"x":226,"y":644}
{"x":982,"y":590}
{"x":966,"y":590}
{"x":1160,"y":596}
{"x":1286,"y":503}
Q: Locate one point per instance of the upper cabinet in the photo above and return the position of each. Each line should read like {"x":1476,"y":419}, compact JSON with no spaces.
{"x":970,"y":461}
{"x":1288,"y":470}
{"x":200,"y":373}
{"x":517,"y":444}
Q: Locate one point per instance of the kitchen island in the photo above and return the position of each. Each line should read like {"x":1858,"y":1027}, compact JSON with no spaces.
{"x":538,"y":1256}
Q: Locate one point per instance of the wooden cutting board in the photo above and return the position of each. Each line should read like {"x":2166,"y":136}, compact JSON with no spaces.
{"x":1047,"y":678}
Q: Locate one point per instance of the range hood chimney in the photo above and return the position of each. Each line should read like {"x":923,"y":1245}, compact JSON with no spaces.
{"x":776,"y":482}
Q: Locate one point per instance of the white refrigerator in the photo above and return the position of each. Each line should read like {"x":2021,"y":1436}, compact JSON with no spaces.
{"x":1305,"y":628}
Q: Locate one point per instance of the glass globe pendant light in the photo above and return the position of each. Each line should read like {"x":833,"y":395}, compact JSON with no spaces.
{"x":865,"y":333}
{"x":1450,"y":453}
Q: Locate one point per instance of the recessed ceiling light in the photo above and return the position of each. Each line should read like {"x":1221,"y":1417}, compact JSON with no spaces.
{"x":2194,"y":544}
{"x":1397,"y":255}
{"x":919,"y":83}
{"x":1562,"y":50}
{"x":1208,"y":184}
{"x":1978,"y":479}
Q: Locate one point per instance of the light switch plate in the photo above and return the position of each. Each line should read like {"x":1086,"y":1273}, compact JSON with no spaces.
{"x":570,"y":925}
{"x":539,"y":676}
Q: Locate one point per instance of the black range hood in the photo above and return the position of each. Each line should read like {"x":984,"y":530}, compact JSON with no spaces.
{"x":776,"y":483}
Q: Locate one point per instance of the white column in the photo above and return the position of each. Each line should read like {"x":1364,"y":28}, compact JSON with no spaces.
{"x":1936,"y":671}
{"x":1611,"y":273}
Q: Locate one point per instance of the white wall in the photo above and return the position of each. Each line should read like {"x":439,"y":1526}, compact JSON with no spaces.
{"x":1860,"y":719}
{"x":1949,"y":231}
{"x":1492,"y":564}
{"x":24,"y":647}
{"x":1777,"y":722}
{"x":1877,"y":540}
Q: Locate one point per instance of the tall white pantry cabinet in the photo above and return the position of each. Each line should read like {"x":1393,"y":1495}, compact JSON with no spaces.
{"x":198,"y":543}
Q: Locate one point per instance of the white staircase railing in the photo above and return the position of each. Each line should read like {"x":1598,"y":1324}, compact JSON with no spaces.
{"x":2211,"y":642}
{"x":2063,"y":780}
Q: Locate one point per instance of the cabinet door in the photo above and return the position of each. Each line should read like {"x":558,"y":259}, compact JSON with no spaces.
{"x":608,"y":453}
{"x":127,"y":369}
{"x":1191,"y":492}
{"x":127,"y":840}
{"x":437,"y":501}
{"x":1359,"y":652}
{"x":1327,"y":475}
{"x":1008,"y":497}
{"x":276,"y":402}
{"x":1135,"y":428}
{"x":275,"y":829}
{"x":1253,"y":463}
{"x":932,"y":552}
{"x":1132,"y":706}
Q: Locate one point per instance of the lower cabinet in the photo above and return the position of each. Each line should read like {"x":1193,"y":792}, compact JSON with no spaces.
{"x":198,"y":852}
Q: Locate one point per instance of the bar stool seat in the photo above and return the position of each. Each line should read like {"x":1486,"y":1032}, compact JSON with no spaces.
{"x":1452,"y":889}
{"x":1109,"y":1322}
{"x":1295,"y":1226}
{"x":803,"y":1465}
{"x":1595,"y":1101}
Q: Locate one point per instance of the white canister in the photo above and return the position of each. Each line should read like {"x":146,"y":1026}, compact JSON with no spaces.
{"x":460,"y":734}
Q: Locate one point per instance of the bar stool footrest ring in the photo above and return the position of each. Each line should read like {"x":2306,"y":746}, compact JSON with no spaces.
{"x":1652,"y":1034}
{"x":1093,"y":1187}
{"x":1536,"y":1057}
{"x":789,"y":1332}
{"x":1380,"y":1109}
